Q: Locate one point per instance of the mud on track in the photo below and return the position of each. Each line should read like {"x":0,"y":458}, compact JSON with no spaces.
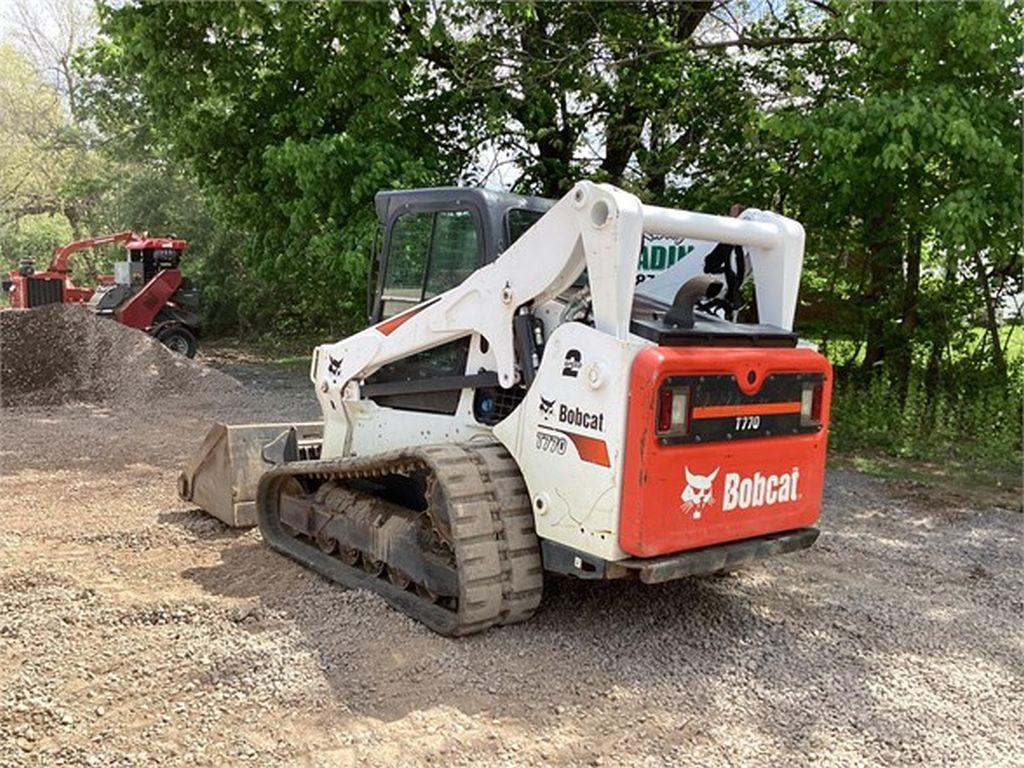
{"x":136,"y":631}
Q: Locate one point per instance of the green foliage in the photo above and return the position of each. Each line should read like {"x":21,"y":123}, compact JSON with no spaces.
{"x":290,"y":117}
{"x":969,"y":425}
{"x":35,"y":237}
{"x":45,"y":166}
{"x":890,"y":130}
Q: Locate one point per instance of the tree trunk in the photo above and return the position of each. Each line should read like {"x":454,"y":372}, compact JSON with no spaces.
{"x":991,"y":317}
{"x":72,"y":214}
{"x":940,"y":340}
{"x":688,"y":17}
{"x":883,"y":276}
{"x":908,"y":320}
{"x":875,"y":349}
{"x":656,"y":186}
{"x":543,"y":114}
{"x":623,"y":127}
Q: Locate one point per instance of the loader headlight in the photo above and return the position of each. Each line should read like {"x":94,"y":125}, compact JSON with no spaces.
{"x":810,"y":404}
{"x":673,"y":413}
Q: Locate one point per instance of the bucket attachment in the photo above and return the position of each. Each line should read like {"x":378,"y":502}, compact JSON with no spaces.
{"x":222,"y":476}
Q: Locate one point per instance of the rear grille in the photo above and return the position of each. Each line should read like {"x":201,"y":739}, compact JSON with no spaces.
{"x":44,"y":290}
{"x":721,"y":411}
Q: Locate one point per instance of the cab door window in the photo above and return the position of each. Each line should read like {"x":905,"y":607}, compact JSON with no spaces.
{"x":518,"y":220}
{"x":428,"y":253}
{"x":408,"y":249}
{"x":454,"y":252}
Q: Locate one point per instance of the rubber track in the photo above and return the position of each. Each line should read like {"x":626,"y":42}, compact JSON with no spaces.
{"x":518,"y":547}
{"x":496,"y":549}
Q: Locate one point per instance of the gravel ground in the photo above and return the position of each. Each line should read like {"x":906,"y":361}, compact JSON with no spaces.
{"x":134,"y":631}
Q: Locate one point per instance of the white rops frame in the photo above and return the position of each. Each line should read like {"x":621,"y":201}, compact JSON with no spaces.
{"x":595,"y":226}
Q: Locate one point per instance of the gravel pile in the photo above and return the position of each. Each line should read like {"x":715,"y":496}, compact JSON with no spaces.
{"x":64,"y":353}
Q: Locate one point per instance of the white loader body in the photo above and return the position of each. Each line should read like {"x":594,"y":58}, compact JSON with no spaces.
{"x":594,"y":227}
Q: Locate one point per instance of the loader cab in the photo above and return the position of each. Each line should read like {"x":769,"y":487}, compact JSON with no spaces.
{"x":435,"y":238}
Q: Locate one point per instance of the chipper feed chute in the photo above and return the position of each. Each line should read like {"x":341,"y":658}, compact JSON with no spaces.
{"x":222,"y":476}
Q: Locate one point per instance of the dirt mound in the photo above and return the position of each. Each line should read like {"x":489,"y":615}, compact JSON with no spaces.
{"x":64,"y":353}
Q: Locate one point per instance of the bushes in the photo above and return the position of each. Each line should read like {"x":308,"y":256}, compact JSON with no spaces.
{"x":978,"y":422}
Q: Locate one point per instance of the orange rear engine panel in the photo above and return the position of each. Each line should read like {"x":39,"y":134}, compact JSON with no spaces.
{"x":747,"y":464}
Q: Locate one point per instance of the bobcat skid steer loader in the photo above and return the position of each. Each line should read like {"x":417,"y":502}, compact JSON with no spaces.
{"x":520,"y":405}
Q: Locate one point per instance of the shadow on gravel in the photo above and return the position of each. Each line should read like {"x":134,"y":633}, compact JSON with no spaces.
{"x":200,"y":525}
{"x":280,"y":378}
{"x":613,"y":641}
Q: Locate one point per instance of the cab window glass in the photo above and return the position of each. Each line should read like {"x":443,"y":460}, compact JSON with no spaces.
{"x":518,"y":220}
{"x":454,"y":251}
{"x":406,"y":261}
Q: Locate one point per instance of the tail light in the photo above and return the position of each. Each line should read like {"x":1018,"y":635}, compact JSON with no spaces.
{"x":674,"y":405}
{"x":810,"y":404}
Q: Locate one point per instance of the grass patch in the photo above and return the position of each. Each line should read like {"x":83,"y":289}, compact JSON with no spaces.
{"x":963,"y":474}
{"x":963,"y":443}
{"x":275,"y":351}
{"x":941,"y":484}
{"x":291,"y":359}
{"x":979,"y":425}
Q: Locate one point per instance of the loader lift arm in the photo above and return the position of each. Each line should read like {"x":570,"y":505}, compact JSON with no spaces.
{"x":595,"y":227}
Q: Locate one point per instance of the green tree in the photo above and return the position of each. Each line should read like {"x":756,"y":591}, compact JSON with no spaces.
{"x":33,"y":157}
{"x":49,"y":180}
{"x":888,"y":129}
{"x":906,"y":135}
{"x":624,"y":93}
{"x":290,"y":117}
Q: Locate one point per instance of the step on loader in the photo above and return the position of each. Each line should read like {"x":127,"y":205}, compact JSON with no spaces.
{"x":521,"y":404}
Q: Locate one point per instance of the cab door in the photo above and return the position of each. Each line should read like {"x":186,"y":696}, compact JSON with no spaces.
{"x":426,"y":252}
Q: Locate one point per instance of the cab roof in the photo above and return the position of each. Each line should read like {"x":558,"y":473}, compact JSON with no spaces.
{"x":390,"y":201}
{"x":489,"y":205}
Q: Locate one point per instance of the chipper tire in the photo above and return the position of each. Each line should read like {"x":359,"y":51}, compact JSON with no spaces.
{"x":460,"y":555}
{"x":179,"y":340}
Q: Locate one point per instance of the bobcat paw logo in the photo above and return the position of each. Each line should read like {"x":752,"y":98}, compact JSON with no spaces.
{"x":546,"y":406}
{"x":698,"y":494}
{"x":333,"y":369}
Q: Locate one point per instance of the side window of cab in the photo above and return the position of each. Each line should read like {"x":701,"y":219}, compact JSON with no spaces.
{"x":428,"y":253}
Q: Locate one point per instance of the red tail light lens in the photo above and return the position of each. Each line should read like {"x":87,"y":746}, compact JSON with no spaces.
{"x":810,"y":404}
{"x":673,"y":417}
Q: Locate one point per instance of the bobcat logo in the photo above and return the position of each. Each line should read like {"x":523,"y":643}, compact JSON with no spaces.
{"x":331,"y":378}
{"x":546,"y":406}
{"x":698,"y":494}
